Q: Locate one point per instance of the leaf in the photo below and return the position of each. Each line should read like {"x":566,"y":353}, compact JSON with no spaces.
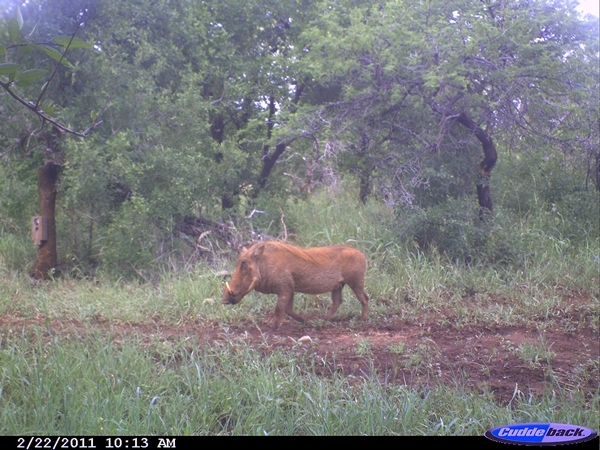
{"x":29,"y":76}
{"x":9,"y":68}
{"x":24,"y":83}
{"x":19,"y":17}
{"x":14,"y":25}
{"x":75,"y":43}
{"x":48,"y":107}
{"x":52,"y":53}
{"x":308,"y":396}
{"x":27,"y":48}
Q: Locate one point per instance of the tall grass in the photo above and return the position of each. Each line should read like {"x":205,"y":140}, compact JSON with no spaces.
{"x":95,"y":384}
{"x":16,"y":251}
{"x":545,"y":264}
{"x":177,"y":298}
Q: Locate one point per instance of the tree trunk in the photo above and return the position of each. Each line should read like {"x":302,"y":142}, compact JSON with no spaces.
{"x":365,"y":188}
{"x":47,"y":259}
{"x":485,"y":167}
{"x":269,"y":161}
{"x":597,"y":171}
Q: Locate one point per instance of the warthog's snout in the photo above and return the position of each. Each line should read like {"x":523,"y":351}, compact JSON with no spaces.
{"x":228,"y":297}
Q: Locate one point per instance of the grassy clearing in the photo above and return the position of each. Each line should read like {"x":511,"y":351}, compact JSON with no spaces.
{"x":408,"y":286}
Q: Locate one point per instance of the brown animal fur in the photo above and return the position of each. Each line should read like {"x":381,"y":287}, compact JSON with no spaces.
{"x":282,"y":269}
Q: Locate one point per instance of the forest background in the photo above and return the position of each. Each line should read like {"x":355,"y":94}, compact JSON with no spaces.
{"x":210,"y":119}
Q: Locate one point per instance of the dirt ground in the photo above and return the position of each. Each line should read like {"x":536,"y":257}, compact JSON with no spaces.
{"x":508,"y":361}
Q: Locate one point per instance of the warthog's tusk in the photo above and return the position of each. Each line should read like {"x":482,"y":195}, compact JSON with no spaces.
{"x":228,"y":288}
{"x":253,"y":285}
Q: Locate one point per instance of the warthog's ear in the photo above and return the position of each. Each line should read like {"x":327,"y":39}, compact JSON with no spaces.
{"x":258,"y":250}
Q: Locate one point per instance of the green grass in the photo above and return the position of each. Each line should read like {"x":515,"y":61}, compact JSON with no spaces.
{"x":97,"y":385}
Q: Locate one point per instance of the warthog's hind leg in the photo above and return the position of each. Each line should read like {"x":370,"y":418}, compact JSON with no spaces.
{"x":359,"y":291}
{"x":279,"y":310}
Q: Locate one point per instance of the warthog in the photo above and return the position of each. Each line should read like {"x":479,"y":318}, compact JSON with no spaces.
{"x":282,"y":269}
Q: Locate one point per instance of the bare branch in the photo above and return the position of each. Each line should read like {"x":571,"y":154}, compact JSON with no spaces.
{"x":45,"y":87}
{"x":45,"y":117}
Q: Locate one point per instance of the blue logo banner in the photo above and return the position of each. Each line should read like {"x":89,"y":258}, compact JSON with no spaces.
{"x":540,"y":434}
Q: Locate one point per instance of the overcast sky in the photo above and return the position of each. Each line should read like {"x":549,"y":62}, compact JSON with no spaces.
{"x":586,"y":6}
{"x":589,"y":7}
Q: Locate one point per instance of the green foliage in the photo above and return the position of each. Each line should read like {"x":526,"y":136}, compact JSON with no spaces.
{"x":18,"y":188}
{"x":128,"y":240}
{"x":16,"y":251}
{"x":336,"y":217}
{"x":453,"y":228}
{"x":551,"y":190}
{"x":196,"y":100}
{"x":17,"y":73}
{"x":15,"y":24}
{"x":409,"y":71}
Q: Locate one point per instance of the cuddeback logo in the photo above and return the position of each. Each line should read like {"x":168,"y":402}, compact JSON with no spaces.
{"x":540,"y":434}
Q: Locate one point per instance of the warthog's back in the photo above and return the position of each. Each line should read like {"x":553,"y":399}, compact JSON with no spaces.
{"x":313,"y":270}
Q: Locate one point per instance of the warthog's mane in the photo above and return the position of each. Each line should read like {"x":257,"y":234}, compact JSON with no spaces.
{"x":315,"y":255}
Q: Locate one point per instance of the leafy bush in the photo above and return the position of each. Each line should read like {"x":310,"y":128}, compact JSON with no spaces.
{"x":550,"y":189}
{"x":129,"y":242}
{"x":455,"y":228}
{"x":17,"y":252}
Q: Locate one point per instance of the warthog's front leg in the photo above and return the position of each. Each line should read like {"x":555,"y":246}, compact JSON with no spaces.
{"x":281,"y":307}
{"x":336,"y":301}
{"x":289,"y":310}
{"x":285,"y":303}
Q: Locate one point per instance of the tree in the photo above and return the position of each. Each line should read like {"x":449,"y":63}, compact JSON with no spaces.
{"x":18,"y":77}
{"x":202,"y":90}
{"x":253,"y":86}
{"x":416,"y":69}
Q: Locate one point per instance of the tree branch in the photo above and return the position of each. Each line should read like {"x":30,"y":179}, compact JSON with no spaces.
{"x":35,"y":107}
{"x":45,"y":87}
{"x":46,"y":117}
